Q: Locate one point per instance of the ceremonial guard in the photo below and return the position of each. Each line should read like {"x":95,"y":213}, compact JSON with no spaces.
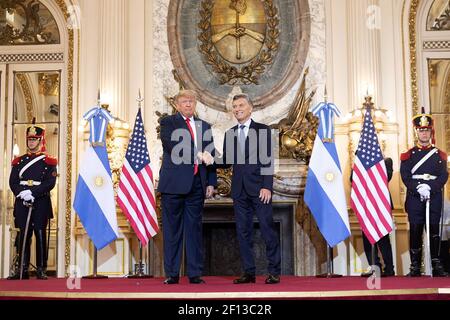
{"x":33,"y":176}
{"x":424,"y":172}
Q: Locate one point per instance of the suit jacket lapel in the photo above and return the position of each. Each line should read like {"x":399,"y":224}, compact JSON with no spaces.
{"x":180,"y":121}
{"x":235,"y":139}
{"x":252,"y":128}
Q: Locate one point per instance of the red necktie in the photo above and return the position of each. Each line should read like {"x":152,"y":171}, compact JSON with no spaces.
{"x":188,"y":122}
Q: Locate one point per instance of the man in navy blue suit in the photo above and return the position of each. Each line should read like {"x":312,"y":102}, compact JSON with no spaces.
{"x":248,"y":149}
{"x":185,"y":181}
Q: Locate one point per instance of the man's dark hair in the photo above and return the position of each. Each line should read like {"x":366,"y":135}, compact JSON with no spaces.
{"x":243,"y":96}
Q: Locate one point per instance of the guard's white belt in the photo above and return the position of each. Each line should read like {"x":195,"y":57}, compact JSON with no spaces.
{"x":425,"y":176}
{"x":30,"y":183}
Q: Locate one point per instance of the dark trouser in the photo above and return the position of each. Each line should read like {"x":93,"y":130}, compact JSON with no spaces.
{"x":244,"y":208}
{"x":384,"y":245}
{"x":26,"y":252}
{"x":182,"y":218}
{"x":41,"y":248}
{"x":415,"y":242}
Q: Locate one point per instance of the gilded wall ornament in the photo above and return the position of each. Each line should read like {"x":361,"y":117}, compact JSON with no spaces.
{"x":27,"y":93}
{"x":298,"y":130}
{"x":224,"y":177}
{"x":443,"y":21}
{"x":48,"y":84}
{"x":26,"y":22}
{"x":238,"y":38}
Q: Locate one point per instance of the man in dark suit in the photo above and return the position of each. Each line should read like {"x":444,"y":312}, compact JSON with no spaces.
{"x":248,"y":149}
{"x":184,"y":183}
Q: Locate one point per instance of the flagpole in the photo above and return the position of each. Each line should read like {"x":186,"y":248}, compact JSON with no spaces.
{"x":373,"y":266}
{"x":140,"y":274}
{"x":140,"y":269}
{"x":330,"y":272}
{"x":94,"y":275}
{"x":330,"y":267}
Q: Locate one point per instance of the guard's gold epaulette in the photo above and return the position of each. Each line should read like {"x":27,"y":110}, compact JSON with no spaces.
{"x":406,"y":155}
{"x":51,"y":161}
{"x":16,"y":161}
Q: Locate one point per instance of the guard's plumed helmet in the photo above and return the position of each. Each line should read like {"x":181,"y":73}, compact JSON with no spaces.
{"x":35,"y":131}
{"x":424,"y":121}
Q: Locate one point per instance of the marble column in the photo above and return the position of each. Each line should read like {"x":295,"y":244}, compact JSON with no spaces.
{"x":113,"y":64}
{"x":364,"y":23}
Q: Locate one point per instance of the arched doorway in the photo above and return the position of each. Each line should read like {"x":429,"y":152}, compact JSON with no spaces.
{"x":37,"y":81}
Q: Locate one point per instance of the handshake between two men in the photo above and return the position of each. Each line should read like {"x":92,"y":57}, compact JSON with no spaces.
{"x":206,"y":158}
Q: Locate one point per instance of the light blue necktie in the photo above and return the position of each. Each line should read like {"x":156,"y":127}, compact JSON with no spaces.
{"x":242,"y":138}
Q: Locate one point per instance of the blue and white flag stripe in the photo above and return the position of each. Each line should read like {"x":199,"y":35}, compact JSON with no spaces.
{"x":97,"y":110}
{"x":98,"y":118}
{"x":94,"y":198}
{"x":326,"y":112}
{"x":324,"y":191}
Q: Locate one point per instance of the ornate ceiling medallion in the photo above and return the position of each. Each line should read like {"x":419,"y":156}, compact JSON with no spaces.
{"x":238,"y":38}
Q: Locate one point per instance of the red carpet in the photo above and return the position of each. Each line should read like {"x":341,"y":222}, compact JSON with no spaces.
{"x":222,"y":288}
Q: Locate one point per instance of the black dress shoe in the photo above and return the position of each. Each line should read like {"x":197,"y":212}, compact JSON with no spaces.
{"x":171,"y":280}
{"x":41,"y":274}
{"x":246,"y":278}
{"x":271,"y":279}
{"x":388,"y":273}
{"x":196,"y":280}
{"x":16,"y":276}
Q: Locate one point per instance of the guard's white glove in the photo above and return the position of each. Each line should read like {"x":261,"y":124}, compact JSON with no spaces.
{"x":28,"y":198}
{"x":23,"y":194}
{"x":424,"y":191}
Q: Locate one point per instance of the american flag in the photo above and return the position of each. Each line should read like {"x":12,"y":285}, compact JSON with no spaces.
{"x":136,"y":195}
{"x":370,"y":198}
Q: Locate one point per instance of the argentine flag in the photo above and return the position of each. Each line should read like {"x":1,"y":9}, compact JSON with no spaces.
{"x":94,"y":196}
{"x":324,"y":191}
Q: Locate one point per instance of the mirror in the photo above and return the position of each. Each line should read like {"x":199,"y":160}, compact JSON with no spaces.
{"x":439,"y":85}
{"x":37,"y":95}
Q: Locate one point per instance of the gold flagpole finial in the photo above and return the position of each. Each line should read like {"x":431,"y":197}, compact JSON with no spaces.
{"x":139,"y":99}
{"x":98,"y":97}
